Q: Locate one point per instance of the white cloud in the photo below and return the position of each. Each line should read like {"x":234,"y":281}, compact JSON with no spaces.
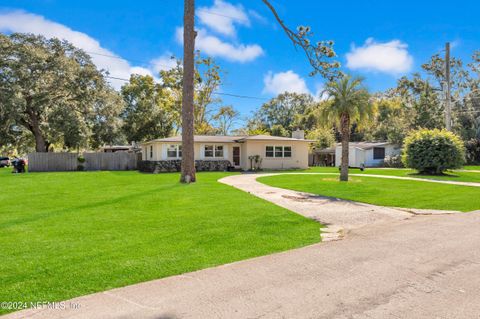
{"x":164,"y":62}
{"x":222,"y":17}
{"x":289,"y":81}
{"x":389,"y":57}
{"x":320,"y":95}
{"x":213,"y":46}
{"x":24,"y":22}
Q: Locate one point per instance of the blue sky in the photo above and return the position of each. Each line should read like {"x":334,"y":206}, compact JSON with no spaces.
{"x":379,"y":40}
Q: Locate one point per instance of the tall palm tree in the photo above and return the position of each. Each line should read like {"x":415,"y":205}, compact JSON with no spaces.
{"x":349,"y":105}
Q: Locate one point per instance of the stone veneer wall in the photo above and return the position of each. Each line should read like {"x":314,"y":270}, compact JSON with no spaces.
{"x":175,"y":166}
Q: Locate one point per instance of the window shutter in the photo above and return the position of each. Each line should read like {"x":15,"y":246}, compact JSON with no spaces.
{"x":202,"y":151}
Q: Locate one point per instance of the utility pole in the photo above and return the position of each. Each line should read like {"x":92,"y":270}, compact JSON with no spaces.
{"x":448,"y":107}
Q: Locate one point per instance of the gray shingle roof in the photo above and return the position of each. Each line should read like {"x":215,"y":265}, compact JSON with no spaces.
{"x":225,"y":139}
{"x":366,"y":145}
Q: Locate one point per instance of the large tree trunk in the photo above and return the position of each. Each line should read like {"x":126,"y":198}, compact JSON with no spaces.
{"x":188,"y":156}
{"x":345,"y":128}
{"x":41,"y":146}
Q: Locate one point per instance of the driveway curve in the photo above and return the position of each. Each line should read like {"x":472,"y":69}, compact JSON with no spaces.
{"x":336,"y":214}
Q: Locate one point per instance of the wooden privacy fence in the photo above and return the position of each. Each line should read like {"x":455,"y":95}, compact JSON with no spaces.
{"x":54,"y":162}
{"x":118,"y":161}
{"x":50,"y":162}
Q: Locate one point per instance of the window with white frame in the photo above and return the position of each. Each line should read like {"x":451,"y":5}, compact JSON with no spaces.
{"x":174,"y":151}
{"x":213,"y":151}
{"x":278,"y":151}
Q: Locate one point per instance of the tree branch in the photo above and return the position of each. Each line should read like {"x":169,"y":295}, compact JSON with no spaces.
{"x":318,"y":55}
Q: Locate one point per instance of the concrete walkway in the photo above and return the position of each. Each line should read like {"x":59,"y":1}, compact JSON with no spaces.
{"x":336,"y":214}
{"x":423,"y":267}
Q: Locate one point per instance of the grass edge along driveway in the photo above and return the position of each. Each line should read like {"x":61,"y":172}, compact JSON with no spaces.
{"x":69,"y":234}
{"x":383,"y":192}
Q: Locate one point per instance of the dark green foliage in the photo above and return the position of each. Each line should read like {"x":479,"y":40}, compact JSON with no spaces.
{"x":149,"y":111}
{"x":472,"y":151}
{"x":433,"y":151}
{"x":52,"y":94}
{"x":281,"y":111}
{"x":278,"y":130}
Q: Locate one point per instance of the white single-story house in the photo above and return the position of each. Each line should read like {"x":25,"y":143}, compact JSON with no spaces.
{"x":274,"y":152}
{"x":368,"y":154}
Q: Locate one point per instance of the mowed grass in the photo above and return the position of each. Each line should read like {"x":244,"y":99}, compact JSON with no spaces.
{"x":385,"y":192}
{"x":68,"y":234}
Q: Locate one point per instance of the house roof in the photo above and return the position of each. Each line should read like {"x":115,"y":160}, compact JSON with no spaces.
{"x":116,"y":147}
{"x":366,"y":145}
{"x":361,"y":145}
{"x":271,"y":138}
{"x":199,"y":138}
{"x":225,"y":139}
{"x":328,"y":150}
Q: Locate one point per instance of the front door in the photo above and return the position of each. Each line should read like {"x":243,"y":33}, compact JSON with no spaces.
{"x":236,"y":155}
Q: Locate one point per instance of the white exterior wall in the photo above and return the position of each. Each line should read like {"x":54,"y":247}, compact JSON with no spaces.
{"x":358,"y":156}
{"x":160,"y":151}
{"x":390,"y":150}
{"x":299,"y":157}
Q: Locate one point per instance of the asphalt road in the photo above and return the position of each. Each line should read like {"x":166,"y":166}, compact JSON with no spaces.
{"x":420,"y":267}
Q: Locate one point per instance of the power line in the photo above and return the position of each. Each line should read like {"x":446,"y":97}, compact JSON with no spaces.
{"x":120,"y":58}
{"x":217,"y":14}
{"x":217,"y":93}
{"x":169,"y":66}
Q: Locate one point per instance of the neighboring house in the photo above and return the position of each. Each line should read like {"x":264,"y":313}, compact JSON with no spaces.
{"x":322,"y":157}
{"x":368,"y":154}
{"x":274,"y":152}
{"x":119,"y":148}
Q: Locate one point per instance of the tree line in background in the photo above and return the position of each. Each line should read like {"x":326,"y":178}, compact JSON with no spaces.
{"x":53,"y":97}
{"x":417,"y":102}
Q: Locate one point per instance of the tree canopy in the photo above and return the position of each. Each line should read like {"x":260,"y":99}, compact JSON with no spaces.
{"x":51,"y":92}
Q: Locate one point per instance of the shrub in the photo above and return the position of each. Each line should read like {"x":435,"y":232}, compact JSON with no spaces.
{"x":393,"y":161}
{"x":473,"y":151}
{"x":433,"y":151}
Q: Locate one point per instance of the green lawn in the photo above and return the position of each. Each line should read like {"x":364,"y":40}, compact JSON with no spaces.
{"x":450,"y":175}
{"x":386,"y":192}
{"x":68,"y":234}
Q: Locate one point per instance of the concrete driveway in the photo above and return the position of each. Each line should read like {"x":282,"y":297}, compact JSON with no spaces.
{"x":338,"y":215}
{"x":422,"y":267}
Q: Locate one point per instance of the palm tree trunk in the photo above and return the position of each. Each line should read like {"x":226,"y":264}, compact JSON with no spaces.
{"x":345,"y":128}
{"x":188,"y":155}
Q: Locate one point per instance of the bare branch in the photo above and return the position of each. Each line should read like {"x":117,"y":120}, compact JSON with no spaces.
{"x":318,"y":55}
